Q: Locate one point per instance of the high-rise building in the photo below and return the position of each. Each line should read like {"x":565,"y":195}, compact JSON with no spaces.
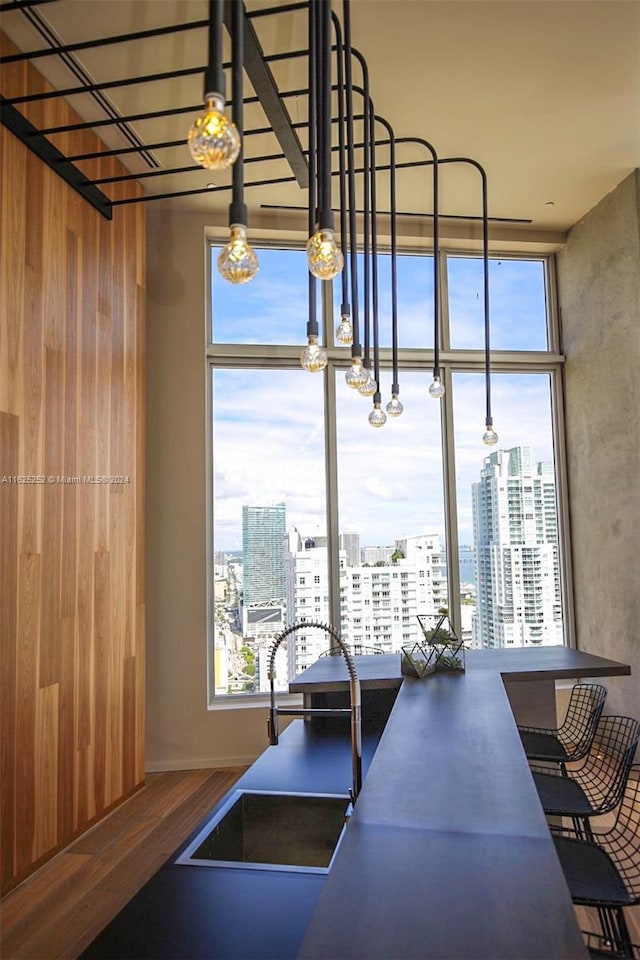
{"x":379,"y":605}
{"x":350,"y":543}
{"x":263,"y":577}
{"x":516,"y":552}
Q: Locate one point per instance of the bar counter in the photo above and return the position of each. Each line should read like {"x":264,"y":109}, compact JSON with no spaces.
{"x":448,"y":853}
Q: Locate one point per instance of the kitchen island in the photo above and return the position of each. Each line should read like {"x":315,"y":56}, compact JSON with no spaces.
{"x":447,"y":854}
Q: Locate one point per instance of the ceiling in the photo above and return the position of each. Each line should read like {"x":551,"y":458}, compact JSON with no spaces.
{"x":544,"y":94}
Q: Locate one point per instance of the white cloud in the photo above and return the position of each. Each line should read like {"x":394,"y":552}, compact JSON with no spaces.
{"x":268,"y":437}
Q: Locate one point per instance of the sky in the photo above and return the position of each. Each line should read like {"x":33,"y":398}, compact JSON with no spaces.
{"x":268,"y":432}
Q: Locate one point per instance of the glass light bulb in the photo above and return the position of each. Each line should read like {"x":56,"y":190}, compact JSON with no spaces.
{"x":344,"y":331}
{"x":214,"y":141}
{"x":356,"y":375}
{"x":490,"y":437}
{"x":394,"y":407}
{"x":325,"y":257}
{"x":377,"y":417}
{"x":369,"y":386}
{"x":237,"y":261}
{"x":314,"y":357}
{"x":436,"y":390}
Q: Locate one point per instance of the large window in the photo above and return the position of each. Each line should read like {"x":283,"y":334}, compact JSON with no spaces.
{"x":316,"y":516}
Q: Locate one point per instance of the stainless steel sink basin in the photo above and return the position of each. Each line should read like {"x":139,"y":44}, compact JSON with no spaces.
{"x":272,"y":831}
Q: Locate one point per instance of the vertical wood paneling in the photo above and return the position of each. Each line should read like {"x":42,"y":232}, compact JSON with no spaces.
{"x":29,"y":595}
{"x":72,"y":558}
{"x":9,"y":431}
{"x":46,"y":770}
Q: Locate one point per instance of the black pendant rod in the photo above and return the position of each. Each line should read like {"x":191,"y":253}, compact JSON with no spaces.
{"x":485,"y":263}
{"x":324,"y":61}
{"x":371,"y":227}
{"x":345,"y":309}
{"x":312,"y":321}
{"x":319,"y":110}
{"x":366,"y":216}
{"x":214,"y":80}
{"x":374,"y":255}
{"x":356,"y":349}
{"x":485,"y":267}
{"x":395,"y":386}
{"x":237,"y":207}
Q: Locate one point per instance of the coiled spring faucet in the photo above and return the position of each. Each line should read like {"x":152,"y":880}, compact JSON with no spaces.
{"x":354,"y":710}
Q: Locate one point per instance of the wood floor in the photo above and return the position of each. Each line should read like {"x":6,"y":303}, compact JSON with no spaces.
{"x":58,"y":911}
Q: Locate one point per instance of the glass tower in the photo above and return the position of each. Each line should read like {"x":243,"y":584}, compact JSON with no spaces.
{"x":263,"y":533}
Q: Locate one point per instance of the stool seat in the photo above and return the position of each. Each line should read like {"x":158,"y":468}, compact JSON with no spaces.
{"x":543,"y":746}
{"x":590,"y":873}
{"x":562,"y":796}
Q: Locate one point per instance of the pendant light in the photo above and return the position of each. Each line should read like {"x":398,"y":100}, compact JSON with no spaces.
{"x":324,"y":254}
{"x":214,"y":141}
{"x":237,"y":261}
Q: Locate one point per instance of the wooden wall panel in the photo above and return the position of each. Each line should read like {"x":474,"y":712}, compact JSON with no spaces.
{"x":72,"y":576}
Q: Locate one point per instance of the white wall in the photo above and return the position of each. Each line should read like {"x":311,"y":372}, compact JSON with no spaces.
{"x":181,"y":731}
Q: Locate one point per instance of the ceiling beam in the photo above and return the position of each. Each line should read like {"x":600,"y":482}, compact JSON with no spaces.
{"x":13,"y":120}
{"x":266,"y":89}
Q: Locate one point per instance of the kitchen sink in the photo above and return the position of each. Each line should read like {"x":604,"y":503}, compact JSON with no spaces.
{"x":272,"y":831}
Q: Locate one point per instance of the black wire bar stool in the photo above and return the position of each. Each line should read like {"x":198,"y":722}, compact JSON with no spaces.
{"x":604,"y":871}
{"x":597,"y":785}
{"x":601,"y":947}
{"x":572,"y":739}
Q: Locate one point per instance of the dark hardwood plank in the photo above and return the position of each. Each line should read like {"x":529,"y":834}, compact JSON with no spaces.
{"x":57,"y":912}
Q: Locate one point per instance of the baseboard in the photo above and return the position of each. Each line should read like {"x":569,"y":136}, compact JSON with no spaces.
{"x":160,"y":766}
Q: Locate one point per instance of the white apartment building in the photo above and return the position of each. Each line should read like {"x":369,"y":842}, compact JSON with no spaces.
{"x":379,"y":605}
{"x":516,"y":552}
